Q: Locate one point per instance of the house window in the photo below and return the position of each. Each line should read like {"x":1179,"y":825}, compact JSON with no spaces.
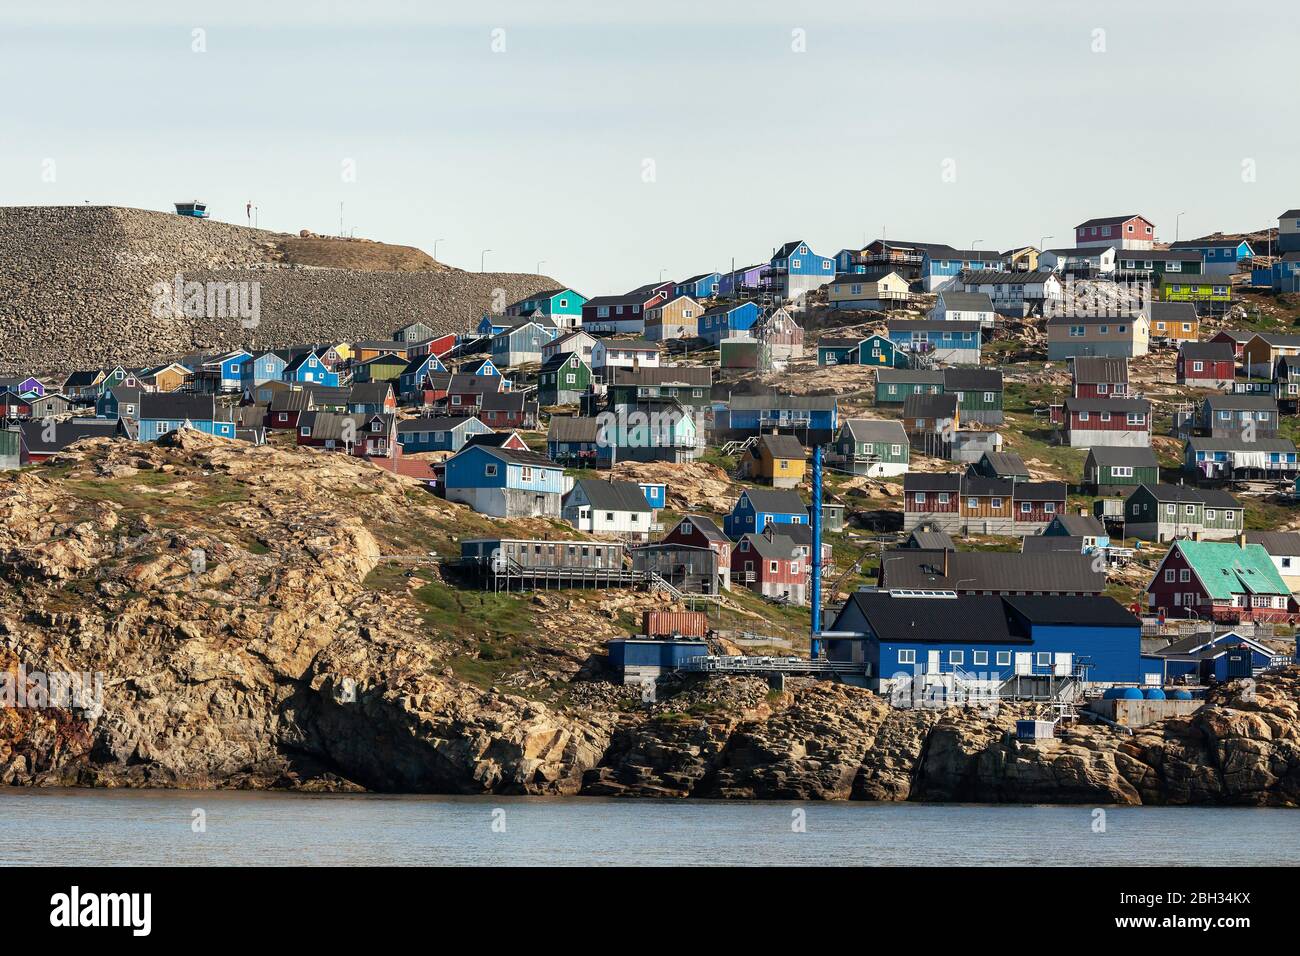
{"x":1044,"y":659}
{"x":1171,"y":509}
{"x":1025,"y":507}
{"x":1184,"y":575}
{"x":997,"y":502}
{"x":1210,"y":514}
{"x":979,"y":658}
{"x":956,"y":657}
{"x":1189,"y":510}
{"x":1169,"y":575}
{"x":943,"y":497}
{"x":1004,"y":658}
{"x":490,"y":470}
{"x":1228,"y":516}
{"x":972,"y":503}
{"x":1050,"y":507}
{"x":907,"y":657}
{"x":772,"y":566}
{"x":1198,"y":366}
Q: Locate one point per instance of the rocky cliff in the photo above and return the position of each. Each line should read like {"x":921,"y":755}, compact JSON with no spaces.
{"x":256,"y":617}
{"x":78,"y":287}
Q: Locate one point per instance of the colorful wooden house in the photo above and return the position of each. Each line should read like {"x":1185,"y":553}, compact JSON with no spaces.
{"x":940,"y":265}
{"x":1123,"y":232}
{"x":952,"y":343}
{"x":622,"y":314}
{"x":700,"y":531}
{"x":868,"y":290}
{"x":953,"y":305}
{"x":1069,"y":336}
{"x":562,"y":306}
{"x":1233,"y":458}
{"x":411,"y":381}
{"x":1098,"y":376}
{"x":164,"y":413}
{"x":1175,"y":321}
{"x":678,"y":318}
{"x":778,"y":460}
{"x":893,"y":386}
{"x":812,"y":418}
{"x":877,"y":448}
{"x":1220,"y":581}
{"x":438,"y":434}
{"x":387,"y":367}
{"x":1207,"y":293}
{"x":1221,"y":257}
{"x":876,"y":350}
{"x":575,"y":441}
{"x":563,"y":380}
{"x":309,"y":369}
{"x":794,"y":270}
{"x":756,"y":508}
{"x":505,"y":483}
{"x":770,"y":564}
{"x":979,"y":393}
{"x":576,"y":342}
{"x":1166,"y":512}
{"x":702,"y":286}
{"x":1206,"y":365}
{"x":521,"y":344}
{"x":727,"y":320}
{"x":1112,"y":470}
{"x":1156,"y":265}
{"x":1089,"y":422}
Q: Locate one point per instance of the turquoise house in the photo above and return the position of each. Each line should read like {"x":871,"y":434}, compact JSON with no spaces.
{"x":564,"y":306}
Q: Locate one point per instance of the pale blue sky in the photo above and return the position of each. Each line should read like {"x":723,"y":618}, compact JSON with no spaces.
{"x":537,"y":152}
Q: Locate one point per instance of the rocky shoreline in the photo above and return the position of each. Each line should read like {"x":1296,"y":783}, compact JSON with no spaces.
{"x":274,"y":663}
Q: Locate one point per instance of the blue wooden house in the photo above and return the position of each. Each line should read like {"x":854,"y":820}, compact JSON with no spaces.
{"x":165,"y":412}
{"x":308,"y":369}
{"x":438,"y":434}
{"x":492,"y":324}
{"x":656,"y":494}
{"x":1220,"y":255}
{"x":942,"y":264}
{"x":121,"y":402}
{"x":521,"y":344}
{"x":504,"y":482}
{"x":262,"y":368}
{"x":949,"y":342}
{"x":849,"y":262}
{"x":985,"y":639}
{"x":483,"y":367}
{"x":724,"y":321}
{"x":411,"y":382}
{"x":756,"y":508}
{"x":703,"y":286}
{"x":813,"y":419}
{"x":1202,"y":656}
{"x":795,"y":270}
{"x":224,"y":374}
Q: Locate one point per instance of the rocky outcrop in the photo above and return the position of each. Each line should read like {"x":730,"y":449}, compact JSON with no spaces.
{"x":78,"y":288}
{"x":236,"y":620}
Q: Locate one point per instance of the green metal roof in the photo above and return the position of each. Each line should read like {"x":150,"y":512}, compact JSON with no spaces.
{"x":1226,"y":568}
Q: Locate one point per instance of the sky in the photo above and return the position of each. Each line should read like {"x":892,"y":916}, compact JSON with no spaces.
{"x":615,"y":142}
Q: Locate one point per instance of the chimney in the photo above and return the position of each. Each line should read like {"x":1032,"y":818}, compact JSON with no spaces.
{"x":1241,"y":540}
{"x":945,"y":562}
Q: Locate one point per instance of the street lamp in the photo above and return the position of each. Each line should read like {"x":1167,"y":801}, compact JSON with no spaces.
{"x":1177,"y":223}
{"x":539,"y":265}
{"x":435,"y":248}
{"x":482,"y":259}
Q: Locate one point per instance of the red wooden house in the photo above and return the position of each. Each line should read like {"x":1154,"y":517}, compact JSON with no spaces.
{"x":932,"y":499}
{"x":439,"y":345}
{"x":13,"y":405}
{"x":1122,"y":422}
{"x":698,"y":531}
{"x":1037,"y":502}
{"x":1221,"y":580}
{"x":1237,"y":338}
{"x":453,"y":392}
{"x":288,"y":407}
{"x":1097,"y":376}
{"x":1206,"y":364}
{"x":506,"y":410}
{"x":770,"y":564}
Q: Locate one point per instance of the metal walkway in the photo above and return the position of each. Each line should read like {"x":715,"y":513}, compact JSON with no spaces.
{"x":716,"y":664}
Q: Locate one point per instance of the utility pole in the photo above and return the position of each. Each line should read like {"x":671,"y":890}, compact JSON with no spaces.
{"x":815,"y":623}
{"x":482,"y":260}
{"x":435,"y":248}
{"x":539,"y":265}
{"x":1177,"y":224}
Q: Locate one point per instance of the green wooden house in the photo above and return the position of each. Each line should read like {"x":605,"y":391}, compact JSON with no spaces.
{"x":978,"y":391}
{"x":874,"y":350}
{"x":893,"y":386}
{"x":691,"y":385}
{"x":563,"y":380}
{"x":871,"y":447}
{"x":1115,"y":470}
{"x":381,"y":368}
{"x":1199,"y":289}
{"x":1166,"y":512}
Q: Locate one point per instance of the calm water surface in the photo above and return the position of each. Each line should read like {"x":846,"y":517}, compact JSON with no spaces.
{"x":79,"y":827}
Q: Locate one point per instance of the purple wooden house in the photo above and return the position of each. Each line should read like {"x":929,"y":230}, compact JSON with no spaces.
{"x":741,"y":282}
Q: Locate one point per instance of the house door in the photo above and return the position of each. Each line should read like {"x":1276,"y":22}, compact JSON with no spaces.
{"x":1062,"y":665}
{"x":1024,"y":662}
{"x":932,"y":662}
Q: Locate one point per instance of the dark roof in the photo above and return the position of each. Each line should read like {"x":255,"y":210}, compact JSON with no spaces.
{"x":992,"y":571}
{"x":1106,"y":455}
{"x":174,"y":405}
{"x":984,"y":487}
{"x":64,"y":434}
{"x":922,"y":405}
{"x":1241,"y":403}
{"x":1174,"y":312}
{"x":1039,"y":491}
{"x":505,"y":402}
{"x":972,"y":379}
{"x":1187,"y":494}
{"x":930,"y":541}
{"x":1276,"y":543}
{"x":782,"y":446}
{"x":1109,"y":220}
{"x":1081,"y":525}
{"x":1207,"y":351}
{"x":613,"y":495}
{"x":516,"y":457}
{"x":776,"y":500}
{"x":932,"y":325}
{"x":442,"y":423}
{"x":697,"y":376}
{"x":777,"y":547}
{"x":1088,"y":611}
{"x":369,"y":393}
{"x":1002,"y":277}
{"x":932,"y":481}
{"x":979,"y":619}
{"x":875,"y":430}
{"x":571,"y":428}
{"x":1006,"y":463}
{"x":1046,"y":543}
{"x":954,"y":299}
{"x":707,"y":527}
{"x":909,"y":376}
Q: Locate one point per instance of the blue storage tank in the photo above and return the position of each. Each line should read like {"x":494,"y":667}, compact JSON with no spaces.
{"x":1111,"y":693}
{"x":1155,"y":693}
{"x":1130,"y":693}
{"x":1181,"y":695}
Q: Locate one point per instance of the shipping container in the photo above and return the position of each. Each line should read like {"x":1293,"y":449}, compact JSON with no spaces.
{"x":665,"y":623}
